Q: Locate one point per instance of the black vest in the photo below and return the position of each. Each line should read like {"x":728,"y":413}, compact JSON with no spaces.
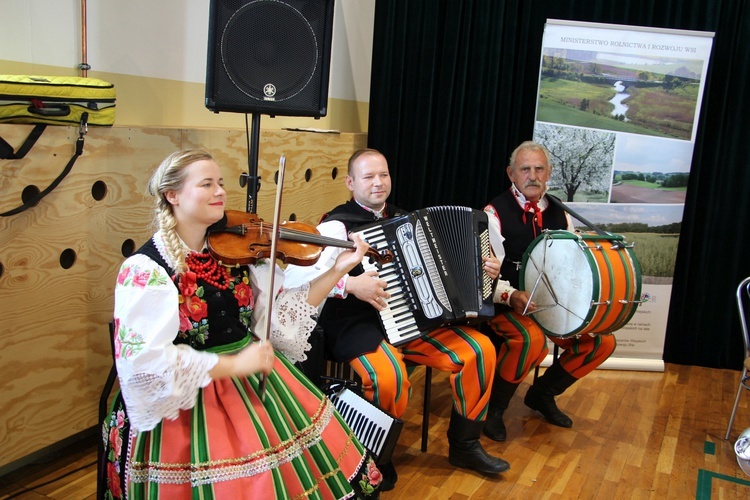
{"x":223,"y":309}
{"x":352,"y":327}
{"x":519,"y":235}
{"x":352,"y":215}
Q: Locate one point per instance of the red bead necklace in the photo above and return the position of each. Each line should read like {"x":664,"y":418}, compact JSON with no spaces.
{"x":206,"y":268}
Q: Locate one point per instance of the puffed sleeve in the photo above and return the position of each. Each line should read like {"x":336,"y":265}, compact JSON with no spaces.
{"x":157,"y":378}
{"x":298,"y":275}
{"x":503,"y":289}
{"x":292,"y":319}
{"x":570,"y":227}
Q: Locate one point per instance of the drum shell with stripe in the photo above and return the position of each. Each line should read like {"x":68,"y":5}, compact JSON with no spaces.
{"x":596,"y":280}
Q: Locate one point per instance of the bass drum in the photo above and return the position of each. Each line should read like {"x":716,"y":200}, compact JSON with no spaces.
{"x":581,"y":283}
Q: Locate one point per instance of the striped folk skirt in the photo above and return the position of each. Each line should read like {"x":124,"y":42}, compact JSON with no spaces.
{"x":291,"y":444}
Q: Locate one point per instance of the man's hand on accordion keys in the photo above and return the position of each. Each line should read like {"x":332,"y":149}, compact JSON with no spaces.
{"x":368,"y":288}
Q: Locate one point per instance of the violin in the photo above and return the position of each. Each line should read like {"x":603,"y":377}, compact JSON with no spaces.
{"x":246,"y":238}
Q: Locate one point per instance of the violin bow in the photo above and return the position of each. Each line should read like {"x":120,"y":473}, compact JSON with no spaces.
{"x":274,"y":240}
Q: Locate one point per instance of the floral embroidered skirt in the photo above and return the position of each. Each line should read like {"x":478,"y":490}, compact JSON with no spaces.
{"x":292,"y":444}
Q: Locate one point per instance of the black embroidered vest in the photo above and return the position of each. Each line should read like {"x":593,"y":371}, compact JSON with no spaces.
{"x":519,"y":235}
{"x":223,"y":318}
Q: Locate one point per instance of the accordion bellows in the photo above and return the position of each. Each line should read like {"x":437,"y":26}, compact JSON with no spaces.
{"x":437,"y":277}
{"x":56,"y":100}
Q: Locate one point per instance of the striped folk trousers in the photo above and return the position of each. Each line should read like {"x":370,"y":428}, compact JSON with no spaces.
{"x":525,"y":346}
{"x":465,"y":353}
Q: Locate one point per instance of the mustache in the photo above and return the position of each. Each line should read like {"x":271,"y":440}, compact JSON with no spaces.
{"x":532,"y":183}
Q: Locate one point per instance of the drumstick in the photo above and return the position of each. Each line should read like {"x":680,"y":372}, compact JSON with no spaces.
{"x":578,"y":216}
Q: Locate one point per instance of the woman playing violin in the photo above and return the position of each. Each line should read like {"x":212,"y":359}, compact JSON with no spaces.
{"x":190,"y":420}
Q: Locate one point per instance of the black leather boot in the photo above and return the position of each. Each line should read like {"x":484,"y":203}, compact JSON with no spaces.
{"x":466,"y":451}
{"x":502,"y":392}
{"x":541,"y":395}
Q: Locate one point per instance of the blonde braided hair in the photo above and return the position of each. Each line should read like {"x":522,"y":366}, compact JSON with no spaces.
{"x":170,"y":176}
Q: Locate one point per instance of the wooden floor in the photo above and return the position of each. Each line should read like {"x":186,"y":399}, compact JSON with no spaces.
{"x":635,"y":435}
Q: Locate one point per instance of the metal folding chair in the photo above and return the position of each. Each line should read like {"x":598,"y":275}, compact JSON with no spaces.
{"x":555,"y":354}
{"x":743,"y":301}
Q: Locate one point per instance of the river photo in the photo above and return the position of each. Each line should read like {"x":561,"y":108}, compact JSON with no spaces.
{"x":621,"y":95}
{"x":647,"y":95}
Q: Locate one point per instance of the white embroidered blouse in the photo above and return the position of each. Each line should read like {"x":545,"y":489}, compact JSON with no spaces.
{"x":159,"y":378}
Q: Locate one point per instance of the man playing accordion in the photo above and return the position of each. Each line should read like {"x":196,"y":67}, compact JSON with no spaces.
{"x":355,"y":334}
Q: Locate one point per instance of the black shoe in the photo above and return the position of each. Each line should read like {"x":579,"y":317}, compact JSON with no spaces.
{"x":545,"y":404}
{"x":465,"y":450}
{"x":390,"y":476}
{"x":494,"y":427}
{"x":502,"y":392}
{"x":477,"y":459}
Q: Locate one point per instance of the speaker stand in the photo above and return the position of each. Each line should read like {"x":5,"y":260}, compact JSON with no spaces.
{"x":251,"y":178}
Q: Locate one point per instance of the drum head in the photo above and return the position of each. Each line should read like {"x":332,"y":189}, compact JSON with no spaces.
{"x":560,"y":276}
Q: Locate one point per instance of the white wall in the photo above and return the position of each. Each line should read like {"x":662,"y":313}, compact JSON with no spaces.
{"x":162,"y":39}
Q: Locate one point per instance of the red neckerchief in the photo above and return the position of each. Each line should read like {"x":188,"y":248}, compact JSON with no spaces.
{"x":532,"y":206}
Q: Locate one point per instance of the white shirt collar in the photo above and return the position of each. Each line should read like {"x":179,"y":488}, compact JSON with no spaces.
{"x":521,"y":199}
{"x":378,"y":213}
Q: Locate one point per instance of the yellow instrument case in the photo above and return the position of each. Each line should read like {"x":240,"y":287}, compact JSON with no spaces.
{"x":56,"y":100}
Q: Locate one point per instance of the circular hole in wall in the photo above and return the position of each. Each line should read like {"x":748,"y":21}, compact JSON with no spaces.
{"x":292,"y":217}
{"x":127,"y":248}
{"x":28,"y":193}
{"x":334,"y":172}
{"x":308,"y":175}
{"x":67,"y":258}
{"x":99,"y":190}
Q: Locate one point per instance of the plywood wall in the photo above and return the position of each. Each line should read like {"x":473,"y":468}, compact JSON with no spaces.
{"x":59,"y":259}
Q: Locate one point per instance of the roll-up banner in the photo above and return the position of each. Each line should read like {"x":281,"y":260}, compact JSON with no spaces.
{"x":618,"y":109}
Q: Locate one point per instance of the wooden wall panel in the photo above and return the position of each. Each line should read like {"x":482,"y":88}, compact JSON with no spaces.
{"x":59,"y":259}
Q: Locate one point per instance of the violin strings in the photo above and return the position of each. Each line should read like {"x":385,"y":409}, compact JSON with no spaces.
{"x":266,"y":229}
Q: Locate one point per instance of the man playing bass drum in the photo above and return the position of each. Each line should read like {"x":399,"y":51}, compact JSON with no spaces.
{"x":516,"y":218}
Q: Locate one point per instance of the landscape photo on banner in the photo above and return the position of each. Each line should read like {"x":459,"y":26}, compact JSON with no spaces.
{"x":618,"y":107}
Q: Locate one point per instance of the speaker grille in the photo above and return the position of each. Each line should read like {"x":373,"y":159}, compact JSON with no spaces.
{"x":269,"y":56}
{"x":261,"y":58}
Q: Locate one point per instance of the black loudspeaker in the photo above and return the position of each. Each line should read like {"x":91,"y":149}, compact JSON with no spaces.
{"x":269,"y":56}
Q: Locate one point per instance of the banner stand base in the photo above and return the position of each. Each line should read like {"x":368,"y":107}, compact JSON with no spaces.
{"x":615,"y":363}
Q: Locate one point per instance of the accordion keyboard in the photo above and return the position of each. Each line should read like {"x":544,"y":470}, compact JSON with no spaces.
{"x":375,"y":429}
{"x":398,"y":316}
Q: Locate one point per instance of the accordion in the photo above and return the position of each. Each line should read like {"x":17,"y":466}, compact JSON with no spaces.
{"x":436,"y":277}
